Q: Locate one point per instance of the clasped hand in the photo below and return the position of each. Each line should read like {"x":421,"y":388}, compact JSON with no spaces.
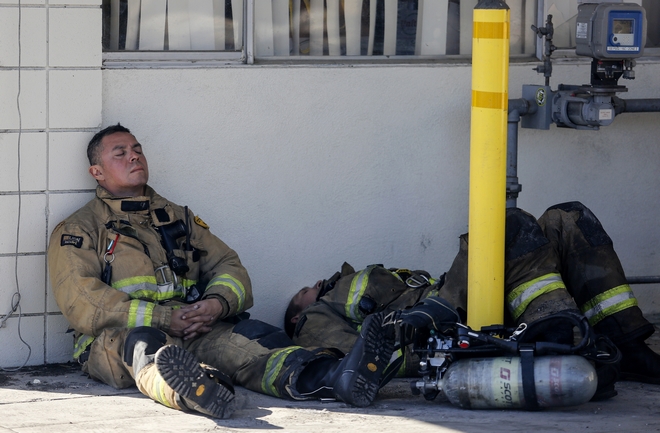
{"x":195,"y":319}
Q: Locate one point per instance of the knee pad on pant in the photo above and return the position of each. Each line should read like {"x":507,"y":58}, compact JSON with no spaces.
{"x":268,"y":336}
{"x":154,"y":338}
{"x":523,"y":234}
{"x":589,"y":225}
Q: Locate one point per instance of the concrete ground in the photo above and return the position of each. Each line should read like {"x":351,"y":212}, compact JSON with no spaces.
{"x":59,"y":398}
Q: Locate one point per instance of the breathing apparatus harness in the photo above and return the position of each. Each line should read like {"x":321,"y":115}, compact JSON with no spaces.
{"x":169,"y":235}
{"x":445,"y":340}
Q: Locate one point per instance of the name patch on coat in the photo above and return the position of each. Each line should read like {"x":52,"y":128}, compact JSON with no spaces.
{"x":76,"y":241}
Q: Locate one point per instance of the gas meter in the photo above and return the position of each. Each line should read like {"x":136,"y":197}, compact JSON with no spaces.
{"x":609,"y":31}
{"x":613,"y":36}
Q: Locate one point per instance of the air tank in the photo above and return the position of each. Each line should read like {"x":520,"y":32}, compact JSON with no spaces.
{"x":496,"y":383}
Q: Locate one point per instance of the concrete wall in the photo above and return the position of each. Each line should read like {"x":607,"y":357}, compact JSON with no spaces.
{"x":298,"y":168}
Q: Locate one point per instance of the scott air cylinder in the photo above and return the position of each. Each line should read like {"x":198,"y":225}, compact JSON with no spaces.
{"x":496,"y":383}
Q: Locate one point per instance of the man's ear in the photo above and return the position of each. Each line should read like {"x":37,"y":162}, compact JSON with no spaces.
{"x":295,"y":318}
{"x":96,"y":172}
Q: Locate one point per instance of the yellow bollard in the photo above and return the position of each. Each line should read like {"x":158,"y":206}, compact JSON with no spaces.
{"x":490,"y":76}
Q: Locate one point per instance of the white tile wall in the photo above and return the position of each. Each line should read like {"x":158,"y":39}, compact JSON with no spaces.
{"x":32,"y":99}
{"x":33,"y":37}
{"x":33,"y":161}
{"x":74,"y":98}
{"x":68,"y":165}
{"x":24,"y":2}
{"x":60,"y":105}
{"x":63,"y":205}
{"x":59,"y":343}
{"x":75,"y":2}
{"x":66,"y":46}
{"x":33,"y":223}
{"x":31,"y":279}
{"x":32,"y":332}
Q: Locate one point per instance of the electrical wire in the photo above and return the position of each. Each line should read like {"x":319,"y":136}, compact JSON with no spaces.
{"x":16,"y":298}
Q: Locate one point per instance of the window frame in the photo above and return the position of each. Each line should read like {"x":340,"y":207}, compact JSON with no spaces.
{"x":205,"y":59}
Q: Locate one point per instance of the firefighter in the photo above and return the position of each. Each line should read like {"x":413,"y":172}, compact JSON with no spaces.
{"x":565,"y":261}
{"x":156,"y":300}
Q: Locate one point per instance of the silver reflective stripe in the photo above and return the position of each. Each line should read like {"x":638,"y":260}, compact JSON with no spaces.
{"x":146,"y":287}
{"x":608,"y":303}
{"x":525,"y":293}
{"x":140,"y":313}
{"x":233,"y":284}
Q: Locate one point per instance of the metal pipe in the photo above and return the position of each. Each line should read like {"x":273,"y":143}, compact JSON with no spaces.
{"x":490,"y":77}
{"x":635,"y":105}
{"x":517,"y":108}
{"x":513,"y":188}
{"x":643,"y":280}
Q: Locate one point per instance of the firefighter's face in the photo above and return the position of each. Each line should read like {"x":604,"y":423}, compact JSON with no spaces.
{"x":307,"y":295}
{"x":122,"y":168}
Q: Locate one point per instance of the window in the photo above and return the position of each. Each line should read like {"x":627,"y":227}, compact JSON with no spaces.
{"x":173,"y":29}
{"x":285,"y":28}
{"x":243,"y":30}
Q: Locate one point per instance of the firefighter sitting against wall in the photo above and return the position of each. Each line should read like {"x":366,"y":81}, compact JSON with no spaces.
{"x":565,"y":261}
{"x":155,"y":300}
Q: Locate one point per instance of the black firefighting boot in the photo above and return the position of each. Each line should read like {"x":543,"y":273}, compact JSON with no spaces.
{"x":639,"y":363}
{"x":355,"y":379}
{"x":200,"y":388}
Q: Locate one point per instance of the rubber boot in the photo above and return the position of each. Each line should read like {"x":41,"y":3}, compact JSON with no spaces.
{"x":140,"y":349}
{"x":200,"y":388}
{"x":639,"y":363}
{"x":356,"y":378}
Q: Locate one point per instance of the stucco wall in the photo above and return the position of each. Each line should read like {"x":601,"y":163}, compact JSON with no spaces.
{"x":302,"y":168}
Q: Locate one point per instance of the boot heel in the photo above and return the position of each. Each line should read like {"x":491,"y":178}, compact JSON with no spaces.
{"x":182,"y":372}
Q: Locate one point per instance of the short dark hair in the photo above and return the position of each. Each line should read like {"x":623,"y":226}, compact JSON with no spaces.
{"x":94,"y":146}
{"x":292,"y":310}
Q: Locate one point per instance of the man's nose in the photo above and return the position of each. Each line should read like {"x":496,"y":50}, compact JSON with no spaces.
{"x":134,"y":156}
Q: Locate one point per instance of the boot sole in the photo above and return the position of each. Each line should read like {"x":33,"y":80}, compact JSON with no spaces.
{"x":182,"y":372}
{"x":376,"y":356}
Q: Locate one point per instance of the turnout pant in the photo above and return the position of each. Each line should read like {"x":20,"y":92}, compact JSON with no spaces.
{"x":254,"y":354}
{"x":563,"y":261}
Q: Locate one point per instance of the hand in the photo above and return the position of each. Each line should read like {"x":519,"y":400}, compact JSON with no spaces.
{"x":199,"y":317}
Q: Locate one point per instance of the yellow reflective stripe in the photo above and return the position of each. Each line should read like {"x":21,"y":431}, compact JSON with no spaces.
{"x":396,"y":274}
{"x":146,"y":287}
{"x":273,"y":368}
{"x":608,"y":303}
{"x":126,"y":284}
{"x":490,"y":30}
{"x":495,"y":100}
{"x":160,"y":387}
{"x":233,"y":284}
{"x":155,"y":295}
{"x":399,"y":353}
{"x":358,"y":286}
{"x":81,"y":344}
{"x":140,"y":313}
{"x":521,"y":296}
